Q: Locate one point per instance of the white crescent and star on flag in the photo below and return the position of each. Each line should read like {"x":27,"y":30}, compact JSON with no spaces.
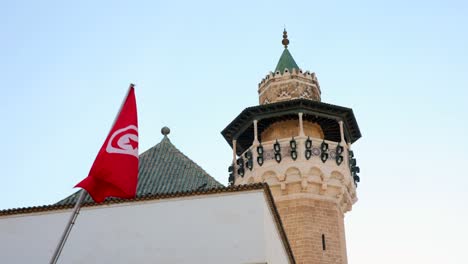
{"x":124,"y":141}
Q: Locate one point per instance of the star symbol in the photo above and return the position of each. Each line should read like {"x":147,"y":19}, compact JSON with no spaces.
{"x":132,"y":143}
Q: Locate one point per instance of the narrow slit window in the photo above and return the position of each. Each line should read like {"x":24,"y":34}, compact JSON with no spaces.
{"x":324,"y":246}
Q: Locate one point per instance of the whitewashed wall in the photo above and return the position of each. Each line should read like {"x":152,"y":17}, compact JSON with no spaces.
{"x":219,"y":228}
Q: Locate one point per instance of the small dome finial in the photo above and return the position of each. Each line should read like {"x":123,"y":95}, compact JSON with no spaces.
{"x":285,"y":39}
{"x":165,"y":131}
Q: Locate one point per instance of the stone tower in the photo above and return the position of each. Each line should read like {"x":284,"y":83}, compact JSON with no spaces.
{"x":301,"y":147}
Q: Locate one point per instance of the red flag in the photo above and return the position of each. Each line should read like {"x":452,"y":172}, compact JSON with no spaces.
{"x":115,"y":169}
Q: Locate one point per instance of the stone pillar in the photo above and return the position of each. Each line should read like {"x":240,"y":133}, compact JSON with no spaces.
{"x":234,"y":156}
{"x":255,"y":142}
{"x":301,"y":125}
{"x":343,"y":141}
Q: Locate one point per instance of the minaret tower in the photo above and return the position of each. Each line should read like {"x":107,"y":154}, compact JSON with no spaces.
{"x":301,"y":147}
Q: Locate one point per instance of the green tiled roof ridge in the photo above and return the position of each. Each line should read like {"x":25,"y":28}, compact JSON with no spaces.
{"x":286,"y":61}
{"x":165,"y":169}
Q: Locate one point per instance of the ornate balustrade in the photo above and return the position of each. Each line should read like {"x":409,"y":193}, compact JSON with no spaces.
{"x":291,"y":150}
{"x":314,"y":165}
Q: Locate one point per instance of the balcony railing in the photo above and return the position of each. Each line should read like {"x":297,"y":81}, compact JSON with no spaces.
{"x":298,"y":149}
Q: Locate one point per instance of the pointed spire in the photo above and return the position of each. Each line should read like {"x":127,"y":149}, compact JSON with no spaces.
{"x":286,"y":60}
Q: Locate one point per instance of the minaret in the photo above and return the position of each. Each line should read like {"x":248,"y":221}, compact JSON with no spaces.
{"x":301,"y":147}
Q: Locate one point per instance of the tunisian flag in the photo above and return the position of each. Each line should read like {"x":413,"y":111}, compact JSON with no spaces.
{"x":115,"y":169}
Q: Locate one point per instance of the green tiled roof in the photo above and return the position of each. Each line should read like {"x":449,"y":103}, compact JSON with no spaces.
{"x":164,"y":169}
{"x":286,"y":61}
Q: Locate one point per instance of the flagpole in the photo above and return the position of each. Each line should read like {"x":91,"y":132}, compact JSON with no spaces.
{"x":69,"y":227}
{"x":77,"y":208}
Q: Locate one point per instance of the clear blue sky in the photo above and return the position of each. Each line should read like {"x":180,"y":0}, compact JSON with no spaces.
{"x":401,"y":65}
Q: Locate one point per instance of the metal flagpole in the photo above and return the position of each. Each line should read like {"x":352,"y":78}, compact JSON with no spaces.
{"x":69,"y":227}
{"x":77,"y":208}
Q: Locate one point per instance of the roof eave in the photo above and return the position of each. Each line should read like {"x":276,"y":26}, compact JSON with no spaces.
{"x":246,"y":117}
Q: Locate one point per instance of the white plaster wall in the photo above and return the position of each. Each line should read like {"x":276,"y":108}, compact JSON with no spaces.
{"x":221,"y":228}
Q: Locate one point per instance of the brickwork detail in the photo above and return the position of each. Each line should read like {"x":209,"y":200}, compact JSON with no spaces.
{"x":305,"y":220}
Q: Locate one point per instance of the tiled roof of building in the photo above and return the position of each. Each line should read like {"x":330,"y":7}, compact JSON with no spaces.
{"x":164,"y":169}
{"x":286,"y":61}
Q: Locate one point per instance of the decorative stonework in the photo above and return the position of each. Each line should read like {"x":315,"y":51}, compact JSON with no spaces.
{"x":313,"y":177}
{"x":276,"y":87}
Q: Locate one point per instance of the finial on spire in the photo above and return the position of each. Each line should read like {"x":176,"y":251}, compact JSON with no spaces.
{"x":285,"y":39}
{"x":165,"y":131}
